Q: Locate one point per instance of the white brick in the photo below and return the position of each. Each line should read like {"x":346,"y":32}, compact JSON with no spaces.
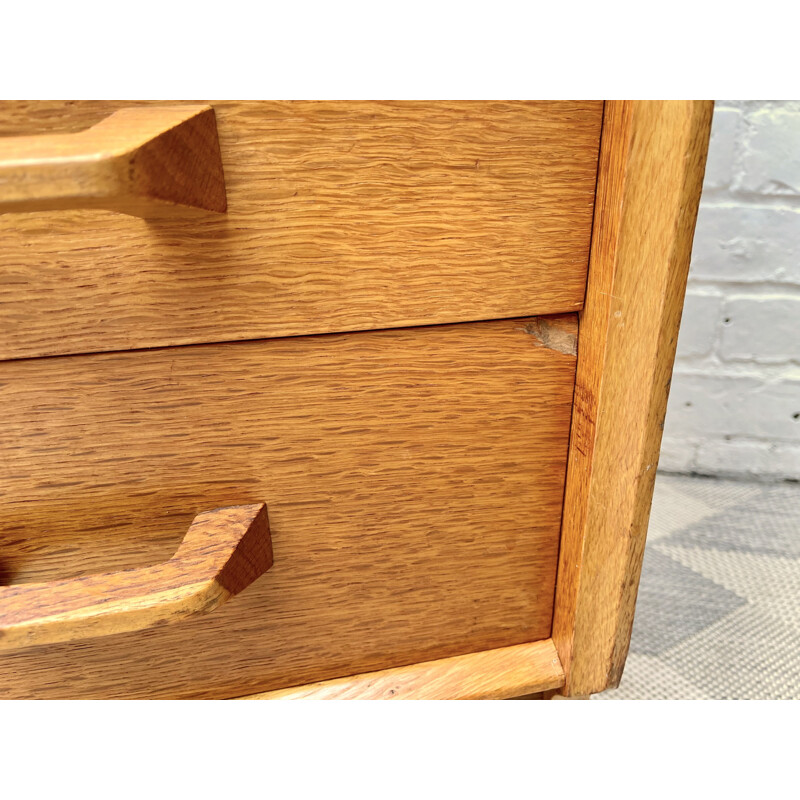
{"x":771,"y":163}
{"x":784,"y":461}
{"x":701,"y":318}
{"x":721,"y":148}
{"x":677,"y":455}
{"x":706,"y":406}
{"x":740,"y":243}
{"x":765,"y":329}
{"x":727,"y":457}
{"x":748,"y":459}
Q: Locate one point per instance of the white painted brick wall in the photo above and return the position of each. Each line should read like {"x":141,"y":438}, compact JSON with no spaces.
{"x":734,"y":407}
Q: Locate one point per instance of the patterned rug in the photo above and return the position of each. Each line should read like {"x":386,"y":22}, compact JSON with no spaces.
{"x":718,"y":614}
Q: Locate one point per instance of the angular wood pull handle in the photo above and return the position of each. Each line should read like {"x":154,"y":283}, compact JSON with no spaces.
{"x":224,"y":551}
{"x":142,"y":161}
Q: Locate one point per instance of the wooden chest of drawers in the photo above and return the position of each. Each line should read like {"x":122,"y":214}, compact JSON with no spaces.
{"x":378,"y":339}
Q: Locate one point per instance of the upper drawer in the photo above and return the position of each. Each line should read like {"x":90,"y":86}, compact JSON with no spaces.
{"x":341,"y":216}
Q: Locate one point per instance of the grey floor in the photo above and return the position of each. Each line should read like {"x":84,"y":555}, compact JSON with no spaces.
{"x":718,"y":614}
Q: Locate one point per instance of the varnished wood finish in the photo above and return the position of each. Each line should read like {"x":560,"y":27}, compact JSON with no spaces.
{"x":500,"y":674}
{"x":414,"y":480}
{"x":224,"y":551}
{"x":342,"y":216}
{"x":651,"y":171}
{"x":141,"y":161}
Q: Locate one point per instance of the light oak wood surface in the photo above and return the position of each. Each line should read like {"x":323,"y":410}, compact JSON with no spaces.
{"x":415,"y":476}
{"x":501,"y":674}
{"x":143,"y":161}
{"x":342,"y":216}
{"x":414,"y":480}
{"x":651,"y":172}
{"x":224,"y":551}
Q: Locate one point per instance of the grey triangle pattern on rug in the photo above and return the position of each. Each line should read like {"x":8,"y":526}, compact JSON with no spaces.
{"x":718,"y":612}
{"x":767,"y":523}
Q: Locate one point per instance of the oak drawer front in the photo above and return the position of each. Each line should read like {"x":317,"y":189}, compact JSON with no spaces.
{"x":414,"y":480}
{"x":342,"y":216}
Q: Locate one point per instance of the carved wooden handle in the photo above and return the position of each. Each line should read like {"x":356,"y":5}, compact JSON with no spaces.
{"x":142,"y":161}
{"x":224,"y":551}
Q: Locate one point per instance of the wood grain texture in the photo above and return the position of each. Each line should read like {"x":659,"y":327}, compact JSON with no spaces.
{"x":342,"y":216}
{"x":414,"y":480}
{"x":501,"y":674}
{"x":651,"y":171}
{"x":224,"y":551}
{"x":142,"y":161}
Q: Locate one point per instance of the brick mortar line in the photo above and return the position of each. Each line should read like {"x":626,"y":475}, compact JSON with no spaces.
{"x":726,"y":198}
{"x":768,"y":372}
{"x":762,"y":287}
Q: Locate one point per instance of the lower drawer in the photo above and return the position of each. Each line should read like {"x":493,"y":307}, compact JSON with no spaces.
{"x":414,"y":480}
